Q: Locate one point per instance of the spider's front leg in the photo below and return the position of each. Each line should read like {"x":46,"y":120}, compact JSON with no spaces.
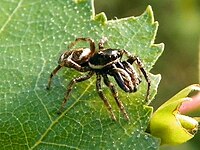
{"x":131,"y":60}
{"x":70,"y":87}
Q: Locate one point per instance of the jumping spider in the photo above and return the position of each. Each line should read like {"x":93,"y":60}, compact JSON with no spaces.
{"x":103,"y":62}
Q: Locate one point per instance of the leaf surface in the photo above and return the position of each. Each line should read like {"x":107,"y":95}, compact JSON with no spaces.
{"x":32,"y":35}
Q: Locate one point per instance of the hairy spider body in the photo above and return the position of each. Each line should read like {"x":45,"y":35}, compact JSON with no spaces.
{"x":103,"y":62}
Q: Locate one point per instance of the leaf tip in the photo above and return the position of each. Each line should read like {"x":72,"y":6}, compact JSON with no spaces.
{"x":149,"y":8}
{"x":101,"y":17}
{"x":149,"y":12}
{"x":161,"y":46}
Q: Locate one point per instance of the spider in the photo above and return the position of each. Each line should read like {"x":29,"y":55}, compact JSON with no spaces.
{"x":103,"y":62}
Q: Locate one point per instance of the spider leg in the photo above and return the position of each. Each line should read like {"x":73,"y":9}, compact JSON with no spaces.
{"x":140,"y":65}
{"x":102,"y":42}
{"x":115,"y":95}
{"x":72,"y":64}
{"x":101,"y":95}
{"x":76,"y":57}
{"x":92,"y":44}
{"x":131,"y":60}
{"x":70,"y":87}
{"x":53,"y":73}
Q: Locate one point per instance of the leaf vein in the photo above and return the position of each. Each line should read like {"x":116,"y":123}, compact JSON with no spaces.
{"x":57,"y":119}
{"x":36,"y":85}
{"x":10,"y":17}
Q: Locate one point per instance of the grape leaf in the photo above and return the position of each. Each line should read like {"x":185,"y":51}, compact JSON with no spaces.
{"x":32,"y":35}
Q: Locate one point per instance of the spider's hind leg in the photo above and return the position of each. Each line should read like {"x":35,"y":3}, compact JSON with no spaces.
{"x":70,"y":87}
{"x":102,"y":42}
{"x":53,"y":73}
{"x":91,"y":42}
{"x":101,"y":95}
{"x":115,"y":95}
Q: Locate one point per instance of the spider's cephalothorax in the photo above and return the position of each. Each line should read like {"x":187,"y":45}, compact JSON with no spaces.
{"x":103,"y":62}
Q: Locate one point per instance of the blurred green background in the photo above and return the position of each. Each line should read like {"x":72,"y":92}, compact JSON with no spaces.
{"x":179,"y":29}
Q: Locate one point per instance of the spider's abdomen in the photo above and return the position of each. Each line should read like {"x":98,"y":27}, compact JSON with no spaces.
{"x":79,"y":56}
{"x":104,"y":58}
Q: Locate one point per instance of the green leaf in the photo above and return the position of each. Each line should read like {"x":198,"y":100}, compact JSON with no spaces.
{"x":32,"y":35}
